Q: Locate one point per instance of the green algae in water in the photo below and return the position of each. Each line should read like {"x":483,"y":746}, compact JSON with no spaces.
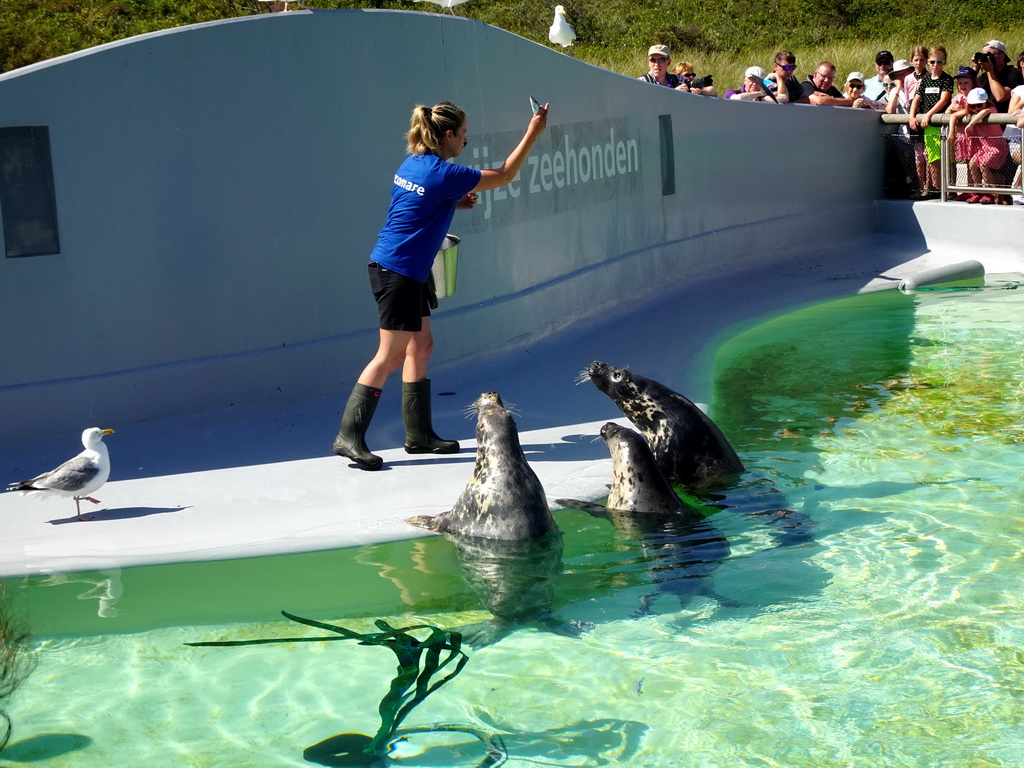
{"x":15,"y":664}
{"x":892,"y":638}
{"x":418,"y":662}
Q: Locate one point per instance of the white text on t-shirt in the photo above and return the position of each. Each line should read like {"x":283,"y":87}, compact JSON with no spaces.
{"x":399,"y":181}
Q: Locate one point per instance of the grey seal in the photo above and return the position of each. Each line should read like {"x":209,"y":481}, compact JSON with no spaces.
{"x":680,"y":546}
{"x":504,"y":499}
{"x":689,"y":447}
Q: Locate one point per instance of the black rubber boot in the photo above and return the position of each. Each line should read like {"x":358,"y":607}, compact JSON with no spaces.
{"x":419,"y":434}
{"x":350,"y":441}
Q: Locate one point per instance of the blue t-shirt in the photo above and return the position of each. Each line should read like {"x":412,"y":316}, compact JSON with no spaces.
{"x":423,"y":199}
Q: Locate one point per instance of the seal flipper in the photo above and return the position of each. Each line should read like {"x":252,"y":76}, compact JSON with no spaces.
{"x":486,"y":633}
{"x":430,"y":522}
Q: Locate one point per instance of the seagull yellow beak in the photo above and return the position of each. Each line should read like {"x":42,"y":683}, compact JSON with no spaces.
{"x":107,"y":432}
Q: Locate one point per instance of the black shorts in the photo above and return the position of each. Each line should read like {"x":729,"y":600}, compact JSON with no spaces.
{"x":401,"y":301}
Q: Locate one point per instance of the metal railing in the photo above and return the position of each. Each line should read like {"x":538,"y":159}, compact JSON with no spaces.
{"x":955,"y":172}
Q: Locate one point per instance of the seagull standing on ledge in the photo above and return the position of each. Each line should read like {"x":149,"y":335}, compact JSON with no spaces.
{"x":561,"y":31}
{"x":444,"y":4}
{"x":77,"y":477}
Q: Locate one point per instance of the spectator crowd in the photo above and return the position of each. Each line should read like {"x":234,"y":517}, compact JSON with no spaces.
{"x":921,"y":87}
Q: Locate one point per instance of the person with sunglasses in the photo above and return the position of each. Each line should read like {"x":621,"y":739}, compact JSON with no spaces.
{"x":854,"y":89}
{"x":995,"y":75}
{"x":689,"y":81}
{"x":785,"y":66}
{"x":934,"y":93}
{"x":877,"y":88}
{"x":658,"y":59}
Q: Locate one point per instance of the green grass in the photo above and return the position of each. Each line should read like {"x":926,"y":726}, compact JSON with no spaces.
{"x":721,"y":39}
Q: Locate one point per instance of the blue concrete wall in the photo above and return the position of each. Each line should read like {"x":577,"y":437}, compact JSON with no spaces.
{"x":220,"y":186}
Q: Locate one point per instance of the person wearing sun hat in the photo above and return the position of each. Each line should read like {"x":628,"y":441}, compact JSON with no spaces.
{"x":898,"y":102}
{"x":874,"y":87}
{"x":995,"y":76}
{"x":896,"y":89}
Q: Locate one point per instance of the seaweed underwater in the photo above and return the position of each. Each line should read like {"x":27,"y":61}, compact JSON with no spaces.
{"x":418,"y":662}
{"x":15,"y":665}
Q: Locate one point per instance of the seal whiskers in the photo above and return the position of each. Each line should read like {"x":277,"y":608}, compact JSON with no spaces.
{"x":504,"y":499}
{"x":689,"y":447}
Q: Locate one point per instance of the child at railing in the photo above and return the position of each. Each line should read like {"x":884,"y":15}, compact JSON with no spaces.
{"x":933,"y":96}
{"x":986,"y":147}
{"x":966,"y":81}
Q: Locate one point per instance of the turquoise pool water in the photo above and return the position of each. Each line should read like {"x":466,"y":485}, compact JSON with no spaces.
{"x":878,"y":622}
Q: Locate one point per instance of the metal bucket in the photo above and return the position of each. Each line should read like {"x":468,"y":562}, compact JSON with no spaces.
{"x":445,"y":265}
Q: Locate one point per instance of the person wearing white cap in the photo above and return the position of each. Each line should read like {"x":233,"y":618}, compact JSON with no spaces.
{"x":752,"y":88}
{"x":986,"y":147}
{"x":995,"y":76}
{"x":854,"y":90}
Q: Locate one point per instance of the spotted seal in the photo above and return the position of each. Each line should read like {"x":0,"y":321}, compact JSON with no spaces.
{"x":504,"y":499}
{"x":689,"y":447}
{"x":679,"y":544}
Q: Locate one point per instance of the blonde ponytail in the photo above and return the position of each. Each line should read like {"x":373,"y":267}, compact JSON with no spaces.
{"x":428,"y":125}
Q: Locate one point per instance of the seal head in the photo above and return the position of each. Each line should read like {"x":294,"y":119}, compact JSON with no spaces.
{"x":689,"y":447}
{"x":638,"y":484}
{"x":681,"y":547}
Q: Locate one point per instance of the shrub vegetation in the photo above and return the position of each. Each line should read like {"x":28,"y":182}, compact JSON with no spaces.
{"x":720,"y":38}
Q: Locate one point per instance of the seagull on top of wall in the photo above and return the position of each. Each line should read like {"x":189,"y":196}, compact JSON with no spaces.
{"x":449,"y":4}
{"x":77,"y":477}
{"x":284,"y":5}
{"x":561,"y":31}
